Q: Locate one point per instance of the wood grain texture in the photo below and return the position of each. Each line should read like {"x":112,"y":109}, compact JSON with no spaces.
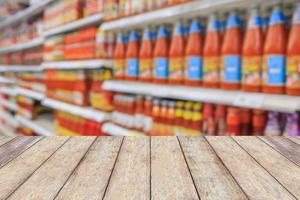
{"x":285,"y":146}
{"x":18,"y":170}
{"x":91,"y":177}
{"x":276,"y":164}
{"x":294,"y":139}
{"x":255,"y":181}
{"x":170,"y":175}
{"x":15,"y":147}
{"x":4,"y":139}
{"x":211,"y":177}
{"x":131,"y":176}
{"x":49,"y":179}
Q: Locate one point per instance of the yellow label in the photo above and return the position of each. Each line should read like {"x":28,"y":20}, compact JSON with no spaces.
{"x":146,"y":68}
{"x":252,"y":70}
{"x":211,"y":69}
{"x":176,"y":68}
{"x":197,"y":116}
{"x":293,"y":72}
{"x":119,"y":67}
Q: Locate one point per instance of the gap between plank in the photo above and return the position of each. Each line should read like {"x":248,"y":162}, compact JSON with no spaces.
{"x":150,"y":169}
{"x":37,"y":168}
{"x":76,"y":167}
{"x":219,"y":158}
{"x":280,"y":151}
{"x":23,"y":151}
{"x":263,"y":167}
{"x":293,"y":140}
{"x":112,"y":170}
{"x":188,"y":168}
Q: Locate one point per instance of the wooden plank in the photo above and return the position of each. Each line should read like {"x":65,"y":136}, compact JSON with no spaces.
{"x":255,"y":181}
{"x":285,"y":171}
{"x":4,"y":139}
{"x":15,"y":147}
{"x":46,"y":182}
{"x":18,"y":170}
{"x":294,"y":139}
{"x":211,"y":177}
{"x":131,"y":176}
{"x":286,"y":147}
{"x":170,"y":176}
{"x":91,"y":177}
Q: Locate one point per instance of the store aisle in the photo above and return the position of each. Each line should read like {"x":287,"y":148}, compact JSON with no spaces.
{"x":150,"y":168}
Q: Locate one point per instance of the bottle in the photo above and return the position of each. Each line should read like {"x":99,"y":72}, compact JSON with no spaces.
{"x":233,"y":121}
{"x":146,"y":55}
{"x":293,"y":56}
{"x":274,"y":66}
{"x":197,"y":117}
{"x":193,"y":54}
{"x":292,"y":127}
{"x":208,"y":119}
{"x":246,"y":121}
{"x":176,"y":54}
{"x":273,"y":125}
{"x":220,"y":119}
{"x":119,"y":56}
{"x":231,"y":53}
{"x":161,"y":51}
{"x":179,"y":113}
{"x":132,"y":56}
{"x":252,"y":53}
{"x":211,"y":53}
{"x":171,"y":117}
{"x":259,"y":118}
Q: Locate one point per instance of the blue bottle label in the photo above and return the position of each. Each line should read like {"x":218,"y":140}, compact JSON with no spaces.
{"x":232,"y":68}
{"x":195,"y":64}
{"x":277,"y":17}
{"x":161,"y":68}
{"x":233,"y":21}
{"x":133,"y":67}
{"x":276,"y":70}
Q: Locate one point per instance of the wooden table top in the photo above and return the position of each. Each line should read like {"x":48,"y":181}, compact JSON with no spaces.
{"x":141,"y":168}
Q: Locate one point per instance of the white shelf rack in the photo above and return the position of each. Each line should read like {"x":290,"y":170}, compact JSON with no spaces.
{"x":8,"y":104}
{"x":115,"y":130}
{"x":9,"y":119}
{"x":85,"y":112}
{"x":94,"y":19}
{"x":25,"y":14}
{"x":81,"y":64}
{"x":4,"y":80}
{"x":185,"y":10}
{"x":280,"y":103}
{"x":43,"y":126}
{"x":10,"y":91}
{"x":29,"y":93}
{"x":22,"y":46}
{"x":20,"y":68}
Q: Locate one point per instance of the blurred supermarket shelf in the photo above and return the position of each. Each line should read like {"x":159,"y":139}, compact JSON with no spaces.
{"x":85,"y":112}
{"x":20,"y":68}
{"x":9,"y":119}
{"x":43,"y":126}
{"x":10,"y":91}
{"x":6,"y":131}
{"x":22,"y":46}
{"x":280,"y":103}
{"x":94,"y":19}
{"x":186,"y":10}
{"x":25,"y":14}
{"x":115,"y":130}
{"x":82,"y":64}
{"x":29,"y":93}
{"x":5,"y":80}
{"x":8,"y":104}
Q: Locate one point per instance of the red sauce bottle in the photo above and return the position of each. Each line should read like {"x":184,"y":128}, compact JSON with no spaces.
{"x":193,"y":53}
{"x":119,"y":57}
{"x":132,"y":56}
{"x":274,"y":67}
{"x":211,"y":53}
{"x":161,"y":52}
{"x":252,"y":53}
{"x":231,"y":53}
{"x":176,"y":54}
{"x":293,"y":56}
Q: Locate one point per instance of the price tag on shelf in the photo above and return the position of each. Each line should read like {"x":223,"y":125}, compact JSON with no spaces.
{"x":248,"y":101}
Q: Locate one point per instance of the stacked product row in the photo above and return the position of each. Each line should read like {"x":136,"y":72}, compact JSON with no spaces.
{"x":156,"y":116}
{"x":260,"y":57}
